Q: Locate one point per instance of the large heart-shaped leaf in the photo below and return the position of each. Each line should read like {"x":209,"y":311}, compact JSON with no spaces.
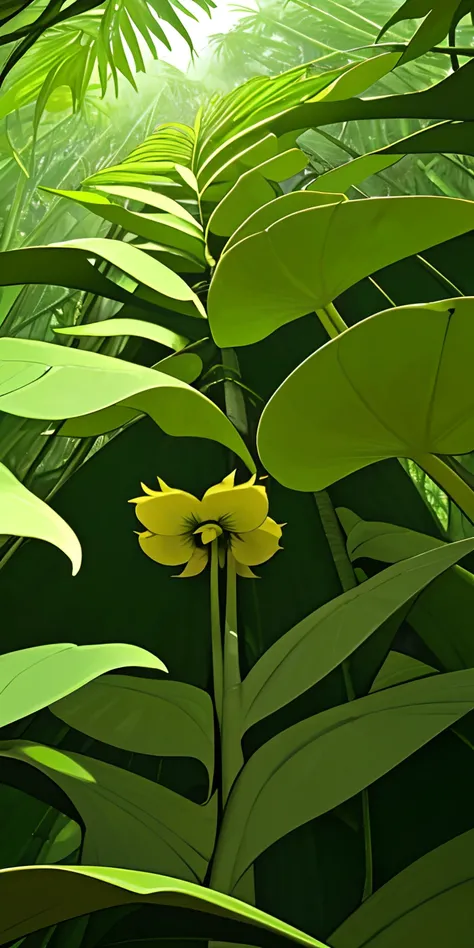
{"x":318,"y":644}
{"x":35,"y":897}
{"x":315,"y":765}
{"x":129,"y":821}
{"x":77,"y":382}
{"x":395,"y":385}
{"x":305,"y":260}
{"x":22,"y":514}
{"x":280,"y":207}
{"x":433,"y":900}
{"x":33,"y":678}
{"x":144,"y":716}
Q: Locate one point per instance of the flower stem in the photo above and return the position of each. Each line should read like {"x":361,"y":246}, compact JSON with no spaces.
{"x":216,"y":640}
{"x":231,"y":744}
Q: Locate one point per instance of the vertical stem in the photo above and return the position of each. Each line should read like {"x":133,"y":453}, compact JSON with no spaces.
{"x":234,"y":396}
{"x":216,"y":639}
{"x":231,"y":743}
{"x":348,"y":581}
{"x":452,"y":42}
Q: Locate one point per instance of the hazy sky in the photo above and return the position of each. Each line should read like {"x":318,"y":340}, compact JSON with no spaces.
{"x":223,"y":17}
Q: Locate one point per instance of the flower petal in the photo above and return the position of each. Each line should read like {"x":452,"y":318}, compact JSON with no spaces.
{"x":244,"y":571}
{"x":169,"y":551}
{"x":257,"y":546}
{"x":238,"y":509}
{"x":170,"y":513}
{"x":196,"y":564}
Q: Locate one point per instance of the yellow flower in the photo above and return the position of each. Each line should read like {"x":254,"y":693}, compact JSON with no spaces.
{"x":180,"y":528}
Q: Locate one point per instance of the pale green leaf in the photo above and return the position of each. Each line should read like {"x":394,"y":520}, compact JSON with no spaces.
{"x":81,"y":382}
{"x":252,"y":190}
{"x":151,"y":199}
{"x":162,"y":228}
{"x":22,"y":514}
{"x":54,"y":894}
{"x":128,"y":327}
{"x":352,"y":173}
{"x":33,"y":678}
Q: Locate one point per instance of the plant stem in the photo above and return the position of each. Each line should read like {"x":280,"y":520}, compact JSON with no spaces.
{"x":348,"y":581}
{"x":449,"y":481}
{"x":452,"y":42}
{"x":331,"y":320}
{"x":233,"y":394}
{"x":231,"y":744}
{"x":216,"y":639}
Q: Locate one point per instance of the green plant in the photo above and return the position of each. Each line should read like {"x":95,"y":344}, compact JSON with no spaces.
{"x":322,"y":726}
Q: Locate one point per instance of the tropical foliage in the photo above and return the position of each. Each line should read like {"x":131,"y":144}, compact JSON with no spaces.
{"x":272,"y":760}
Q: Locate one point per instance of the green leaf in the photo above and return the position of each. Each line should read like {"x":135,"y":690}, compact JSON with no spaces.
{"x":22,"y":514}
{"x":128,"y":327}
{"x":186,"y":366}
{"x":63,"y":841}
{"x":317,"y":764}
{"x":69,"y":264}
{"x":444,"y":137}
{"x":252,"y":190}
{"x":399,"y":668}
{"x":438,"y":15}
{"x":432,"y":899}
{"x":150,"y":199}
{"x":278,"y":208}
{"x":359,"y":77}
{"x":162,"y":228}
{"x":382,"y":541}
{"x":33,"y":678}
{"x":352,"y":173}
{"x":144,"y":716}
{"x":323,"y":640}
{"x":305,"y":260}
{"x":449,"y":99}
{"x":54,"y":894}
{"x":446,"y":604}
{"x":81,"y":382}
{"x":388,"y":399}
{"x":128,"y":820}
{"x":250,"y":112}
